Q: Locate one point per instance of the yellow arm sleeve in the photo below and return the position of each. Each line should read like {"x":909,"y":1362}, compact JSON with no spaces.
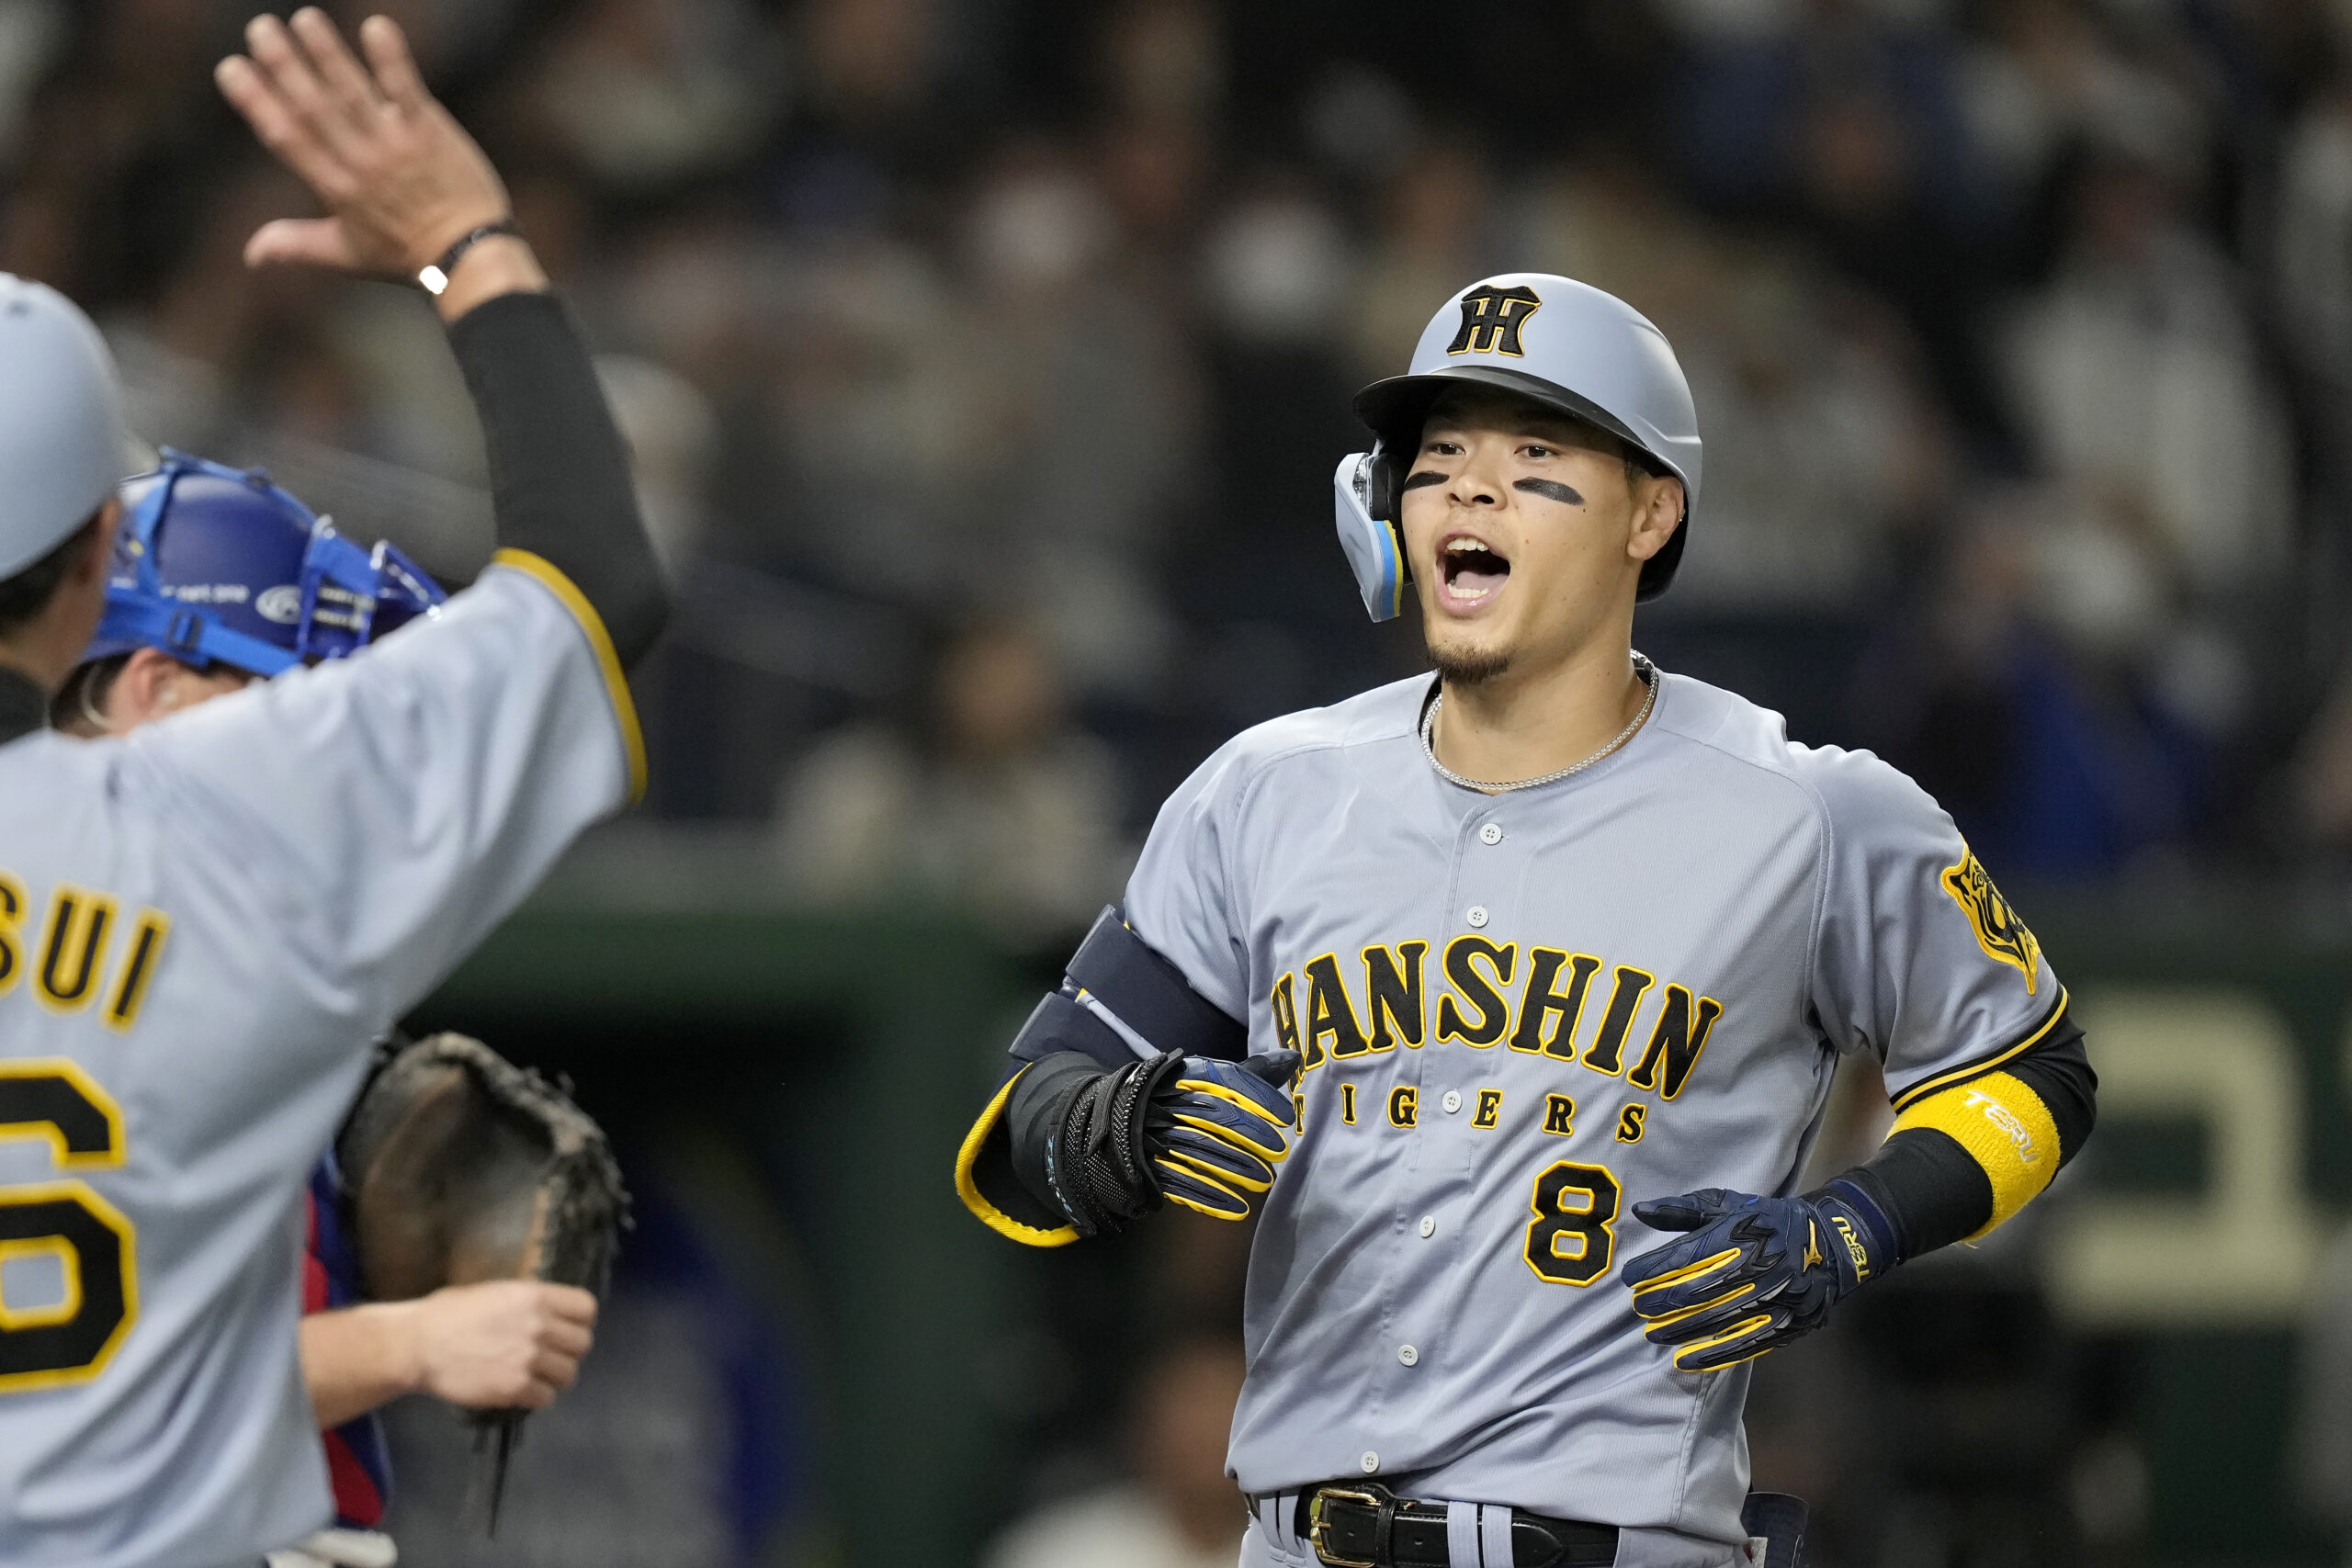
{"x":2005,"y":1129}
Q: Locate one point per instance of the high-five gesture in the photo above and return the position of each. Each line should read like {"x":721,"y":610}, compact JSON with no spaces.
{"x":400,"y":179}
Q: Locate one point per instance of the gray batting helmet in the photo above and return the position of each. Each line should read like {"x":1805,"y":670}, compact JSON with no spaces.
{"x":1565,"y":344}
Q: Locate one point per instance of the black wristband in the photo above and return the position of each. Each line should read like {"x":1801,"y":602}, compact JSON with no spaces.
{"x":1931,"y":1188}
{"x":434,"y":276}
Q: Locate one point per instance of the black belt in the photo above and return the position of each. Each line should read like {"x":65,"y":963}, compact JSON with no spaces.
{"x":1364,"y":1525}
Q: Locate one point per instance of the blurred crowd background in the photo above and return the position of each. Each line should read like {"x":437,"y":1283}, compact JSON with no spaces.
{"x":985,"y":363}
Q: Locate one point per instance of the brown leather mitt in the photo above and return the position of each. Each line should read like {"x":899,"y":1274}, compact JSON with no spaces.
{"x":460,"y":1166}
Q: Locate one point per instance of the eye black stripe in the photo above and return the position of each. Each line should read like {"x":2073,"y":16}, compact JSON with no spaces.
{"x":1550,"y":489}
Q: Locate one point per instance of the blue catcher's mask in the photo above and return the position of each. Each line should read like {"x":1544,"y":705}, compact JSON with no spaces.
{"x":218,"y":564}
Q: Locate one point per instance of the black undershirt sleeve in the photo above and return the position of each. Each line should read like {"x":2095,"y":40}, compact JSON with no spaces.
{"x":559,"y":476}
{"x":2059,"y":1071}
{"x":1929,"y":1187}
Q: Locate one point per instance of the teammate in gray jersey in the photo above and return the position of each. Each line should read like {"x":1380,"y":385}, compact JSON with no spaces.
{"x":222,"y":579}
{"x":1563,"y":951}
{"x":205,"y":922}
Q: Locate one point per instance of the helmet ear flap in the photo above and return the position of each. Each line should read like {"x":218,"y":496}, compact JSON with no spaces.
{"x":1368,"y":531}
{"x":1387,"y":484}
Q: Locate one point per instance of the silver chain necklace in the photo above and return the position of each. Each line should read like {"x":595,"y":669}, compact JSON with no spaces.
{"x":1642,"y":667}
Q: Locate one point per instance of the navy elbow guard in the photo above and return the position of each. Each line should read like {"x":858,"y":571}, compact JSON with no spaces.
{"x":1122,"y":1002}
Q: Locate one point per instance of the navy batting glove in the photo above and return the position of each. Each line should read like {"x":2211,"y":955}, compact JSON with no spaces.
{"x":1218,"y":1129}
{"x":1753,"y":1273}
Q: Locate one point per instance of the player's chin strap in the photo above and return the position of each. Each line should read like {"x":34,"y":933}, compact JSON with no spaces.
{"x":1375,"y":553}
{"x":345,"y":589}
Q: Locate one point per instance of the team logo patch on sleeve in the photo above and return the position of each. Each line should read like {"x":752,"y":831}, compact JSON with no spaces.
{"x":1491,"y":318}
{"x":1999,"y":932}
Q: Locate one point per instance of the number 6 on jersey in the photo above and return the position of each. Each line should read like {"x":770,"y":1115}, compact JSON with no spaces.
{"x":72,"y":1339}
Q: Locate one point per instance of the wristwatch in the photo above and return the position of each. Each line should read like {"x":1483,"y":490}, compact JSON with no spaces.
{"x":434,"y":277}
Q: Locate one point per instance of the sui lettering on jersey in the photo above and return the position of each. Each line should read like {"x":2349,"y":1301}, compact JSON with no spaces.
{"x":203,"y":925}
{"x":72,"y":1327}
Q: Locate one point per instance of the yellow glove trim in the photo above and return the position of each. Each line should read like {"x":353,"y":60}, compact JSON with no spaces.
{"x":1233,"y":1216}
{"x":1235,"y":1139}
{"x":1686,"y":1354}
{"x":2005,"y":1128}
{"x":1201,"y":1170}
{"x":967,"y":1186}
{"x":1729,"y":1256}
{"x":1669,"y":1319}
{"x":1234,"y":1097}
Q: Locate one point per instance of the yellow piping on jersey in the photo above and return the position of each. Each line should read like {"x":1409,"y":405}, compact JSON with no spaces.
{"x":967,"y":1186}
{"x":2005,"y":1129}
{"x":609,"y":662}
{"x":1925,"y":1087}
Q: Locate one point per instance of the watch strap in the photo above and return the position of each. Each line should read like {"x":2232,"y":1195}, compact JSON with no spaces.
{"x":434,"y":277}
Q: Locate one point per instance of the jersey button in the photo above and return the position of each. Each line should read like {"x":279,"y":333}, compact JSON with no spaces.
{"x":1369,"y":1462}
{"x":1453,"y":1101}
{"x":1492,"y":833}
{"x":1429,"y":1225}
{"x":1407,"y":1355}
{"x":1478,"y":915}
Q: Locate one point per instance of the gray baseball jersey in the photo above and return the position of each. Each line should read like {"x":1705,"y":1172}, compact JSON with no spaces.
{"x":1520,"y":1014}
{"x":202,"y":926}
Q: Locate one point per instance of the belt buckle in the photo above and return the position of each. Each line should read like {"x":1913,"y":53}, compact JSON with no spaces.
{"x":1316,"y":1524}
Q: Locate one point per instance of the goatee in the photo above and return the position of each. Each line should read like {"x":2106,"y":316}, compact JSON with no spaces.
{"x":1468,"y":667}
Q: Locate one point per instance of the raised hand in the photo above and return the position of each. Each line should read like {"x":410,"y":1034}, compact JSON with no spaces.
{"x":400,"y":179}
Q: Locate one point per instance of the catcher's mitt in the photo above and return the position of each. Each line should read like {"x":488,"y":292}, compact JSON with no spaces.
{"x":459,"y":1167}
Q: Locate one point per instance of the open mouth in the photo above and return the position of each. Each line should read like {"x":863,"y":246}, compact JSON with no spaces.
{"x":1472,"y":569}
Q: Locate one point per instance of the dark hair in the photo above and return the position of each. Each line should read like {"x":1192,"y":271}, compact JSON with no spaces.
{"x":24,"y":596}
{"x":1639,"y":464}
{"x":84,"y":691}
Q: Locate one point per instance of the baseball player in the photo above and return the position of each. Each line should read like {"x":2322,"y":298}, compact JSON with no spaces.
{"x":221,"y":579}
{"x":1562,"y":949}
{"x":205,"y":922}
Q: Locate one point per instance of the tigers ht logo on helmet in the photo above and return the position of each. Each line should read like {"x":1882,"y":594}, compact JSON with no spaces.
{"x":1491,"y":318}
